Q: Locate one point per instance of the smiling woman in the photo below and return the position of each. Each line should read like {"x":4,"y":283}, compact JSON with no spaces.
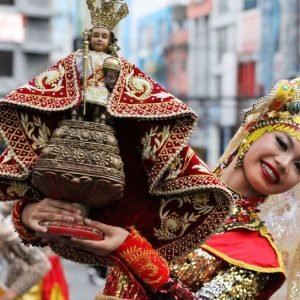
{"x":271,"y":166}
{"x":242,"y":261}
{"x":261,"y":160}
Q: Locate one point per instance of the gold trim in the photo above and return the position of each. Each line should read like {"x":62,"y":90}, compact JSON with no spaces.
{"x":104,"y":297}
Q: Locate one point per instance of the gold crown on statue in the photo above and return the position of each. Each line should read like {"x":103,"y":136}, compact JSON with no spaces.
{"x":107,"y":13}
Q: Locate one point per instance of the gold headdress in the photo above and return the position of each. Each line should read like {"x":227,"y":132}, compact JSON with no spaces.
{"x":107,"y":13}
{"x":278,"y":111}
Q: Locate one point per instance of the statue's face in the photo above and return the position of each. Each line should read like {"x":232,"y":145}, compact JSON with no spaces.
{"x":111,"y":77}
{"x":100,"y":38}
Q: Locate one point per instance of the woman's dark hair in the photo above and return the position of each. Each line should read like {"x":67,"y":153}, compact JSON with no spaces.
{"x":112,"y":41}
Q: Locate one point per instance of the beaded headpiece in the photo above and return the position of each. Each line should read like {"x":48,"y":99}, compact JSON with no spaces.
{"x":278,"y":111}
{"x":107,"y":13}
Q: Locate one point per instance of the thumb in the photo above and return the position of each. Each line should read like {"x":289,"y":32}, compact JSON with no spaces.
{"x":37,"y":227}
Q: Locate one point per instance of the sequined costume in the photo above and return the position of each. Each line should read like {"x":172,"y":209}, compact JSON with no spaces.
{"x":171,"y":197}
{"x":240,"y":262}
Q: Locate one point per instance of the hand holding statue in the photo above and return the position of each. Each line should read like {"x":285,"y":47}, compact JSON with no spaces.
{"x":113,"y":238}
{"x":49,"y":209}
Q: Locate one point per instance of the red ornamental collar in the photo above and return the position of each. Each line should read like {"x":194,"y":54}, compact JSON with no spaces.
{"x":135,"y":95}
{"x":251,"y":202}
{"x":55,"y":89}
{"x":58,"y":89}
{"x":246,"y":242}
{"x":254,"y":250}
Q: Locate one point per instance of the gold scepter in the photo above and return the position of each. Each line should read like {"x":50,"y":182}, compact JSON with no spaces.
{"x":85,"y":58}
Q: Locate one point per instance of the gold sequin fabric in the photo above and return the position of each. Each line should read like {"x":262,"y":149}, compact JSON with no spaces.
{"x":196,"y":268}
{"x":233,"y":283}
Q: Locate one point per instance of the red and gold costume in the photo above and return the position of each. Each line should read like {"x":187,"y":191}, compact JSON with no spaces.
{"x":172,"y":201}
{"x":171,"y":197}
{"x":54,"y":285}
{"x":240,"y":262}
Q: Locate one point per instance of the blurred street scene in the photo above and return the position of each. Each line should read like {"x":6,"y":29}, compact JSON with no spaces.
{"x":216,"y":55}
{"x":83,"y":284}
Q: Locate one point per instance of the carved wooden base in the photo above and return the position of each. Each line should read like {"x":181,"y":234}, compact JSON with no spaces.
{"x":77,"y":188}
{"x":81,"y":164}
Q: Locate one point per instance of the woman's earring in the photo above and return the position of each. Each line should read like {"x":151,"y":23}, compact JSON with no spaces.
{"x":243,"y":149}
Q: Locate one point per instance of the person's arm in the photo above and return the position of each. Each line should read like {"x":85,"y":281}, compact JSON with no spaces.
{"x":231,"y":283}
{"x":150,"y":270}
{"x":16,"y":195}
{"x":26,"y":265}
{"x":137,"y":259}
{"x":37,"y":266}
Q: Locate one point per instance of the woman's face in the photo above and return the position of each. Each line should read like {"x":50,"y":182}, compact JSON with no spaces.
{"x":100,"y":38}
{"x":272,"y":164}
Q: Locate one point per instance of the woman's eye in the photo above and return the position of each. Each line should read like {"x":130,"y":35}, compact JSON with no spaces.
{"x":297,"y":165}
{"x":282,"y":143}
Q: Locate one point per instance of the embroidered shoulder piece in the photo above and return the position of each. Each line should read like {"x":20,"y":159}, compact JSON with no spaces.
{"x":55,"y":89}
{"x":137,"y":95}
{"x":24,"y":136}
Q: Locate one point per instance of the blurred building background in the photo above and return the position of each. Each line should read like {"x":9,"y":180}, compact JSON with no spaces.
{"x":33,"y":34}
{"x":219,"y":56}
{"x":216,"y":55}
